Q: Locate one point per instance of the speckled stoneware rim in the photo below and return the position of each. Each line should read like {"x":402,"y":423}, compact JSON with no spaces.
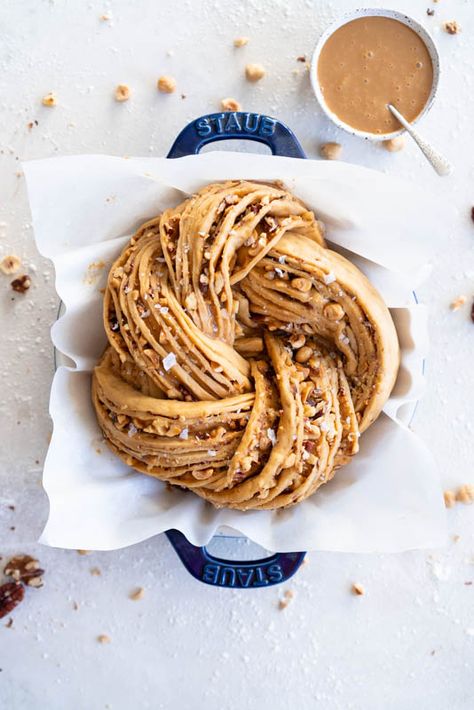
{"x":421,"y":31}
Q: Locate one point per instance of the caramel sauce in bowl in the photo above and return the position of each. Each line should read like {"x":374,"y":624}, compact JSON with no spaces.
{"x":368,"y":59}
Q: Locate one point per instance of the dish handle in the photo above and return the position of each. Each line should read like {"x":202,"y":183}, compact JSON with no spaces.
{"x":236,"y":125}
{"x":232,"y":574}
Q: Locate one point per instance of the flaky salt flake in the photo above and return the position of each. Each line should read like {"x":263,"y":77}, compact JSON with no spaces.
{"x":282,"y":259}
{"x":279,"y":272}
{"x":329,"y":278}
{"x":145,"y":314}
{"x":184,"y":434}
{"x":132,"y":429}
{"x":169,"y":361}
{"x":272,"y":436}
{"x":212,"y":452}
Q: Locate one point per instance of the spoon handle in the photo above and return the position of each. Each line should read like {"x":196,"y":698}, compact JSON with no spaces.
{"x":439,"y":162}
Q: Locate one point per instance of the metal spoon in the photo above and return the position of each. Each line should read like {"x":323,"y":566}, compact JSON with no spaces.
{"x":438,"y":162}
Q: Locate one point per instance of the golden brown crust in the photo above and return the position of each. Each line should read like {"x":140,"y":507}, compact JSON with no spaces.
{"x":244,"y":357}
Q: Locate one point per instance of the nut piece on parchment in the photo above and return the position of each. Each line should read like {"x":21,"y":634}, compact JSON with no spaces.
{"x":330,"y":151}
{"x":240,"y":41}
{"x":166,"y":84}
{"x":122,"y":92}
{"x":449,"y":499}
{"x":287,"y":597}
{"x":230,"y":105}
{"x":394,"y":145}
{"x":10,"y":264}
{"x":254,"y":72}
{"x":137,"y":594}
{"x":103,"y":638}
{"x":21,"y":284}
{"x":49,"y":100}
{"x":452,"y":27}
{"x":358,"y":589}
{"x":26,"y":569}
{"x":465,"y":494}
{"x":457,"y":303}
{"x":11,"y":594}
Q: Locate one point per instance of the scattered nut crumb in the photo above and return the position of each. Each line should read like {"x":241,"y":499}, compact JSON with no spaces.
{"x":472,"y":312}
{"x":465,"y":494}
{"x":10,"y":264}
{"x":456,"y":538}
{"x":449,"y":499}
{"x":122,"y":92}
{"x":230,"y":105}
{"x":75,"y":605}
{"x":31,"y":124}
{"x":21,"y":284}
{"x":430,"y":12}
{"x":301,"y":59}
{"x":137,"y":594}
{"x":84,"y":552}
{"x":330,"y":151}
{"x":103,"y":638}
{"x":457,"y":303}
{"x":9,"y":623}
{"x":95,"y":571}
{"x":241,"y":41}
{"x":472,"y":213}
{"x":11,"y":594}
{"x":49,"y":100}
{"x":358,"y":589}
{"x":394,"y":145}
{"x":287,"y":597}
{"x":254,"y":72}
{"x":105,"y":17}
{"x":166,"y":84}
{"x":452,"y":27}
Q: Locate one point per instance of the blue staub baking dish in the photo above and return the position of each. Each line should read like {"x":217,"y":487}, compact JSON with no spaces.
{"x":198,"y":561}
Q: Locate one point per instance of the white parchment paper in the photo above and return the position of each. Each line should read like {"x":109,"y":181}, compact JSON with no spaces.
{"x":84,"y":208}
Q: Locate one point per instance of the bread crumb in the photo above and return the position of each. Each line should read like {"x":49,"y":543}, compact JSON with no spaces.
{"x":10,"y":264}
{"x":137,"y":594}
{"x":465,"y":494}
{"x":230,"y":105}
{"x":254,"y":72}
{"x":457,"y":303}
{"x":103,"y":638}
{"x":394,"y":145}
{"x":49,"y":100}
{"x":287,"y":597}
{"x":122,"y":92}
{"x":452,"y":27}
{"x":358,"y":589}
{"x":330,"y":151}
{"x":241,"y":41}
{"x":166,"y":84}
{"x":449,"y":499}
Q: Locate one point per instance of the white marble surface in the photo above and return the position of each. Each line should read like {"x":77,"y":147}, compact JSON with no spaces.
{"x":409,"y":642}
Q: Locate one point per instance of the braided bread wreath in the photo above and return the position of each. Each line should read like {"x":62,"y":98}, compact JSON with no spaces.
{"x":244,"y":358}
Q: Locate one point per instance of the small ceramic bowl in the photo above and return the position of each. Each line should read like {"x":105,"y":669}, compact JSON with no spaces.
{"x":394,"y":15}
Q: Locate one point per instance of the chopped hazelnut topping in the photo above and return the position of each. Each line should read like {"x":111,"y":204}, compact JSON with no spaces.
{"x":166,"y":84}
{"x":10,"y":264}
{"x":122,"y":93}
{"x":254,"y":72}
{"x":137,"y":594}
{"x":49,"y":100}
{"x":457,"y":303}
{"x":241,"y":41}
{"x":230,"y":105}
{"x":330,"y":151}
{"x":358,"y":589}
{"x":303,"y":354}
{"x":393,"y":145}
{"x":465,"y":494}
{"x":449,"y":499}
{"x":452,"y":27}
{"x":21,"y":284}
